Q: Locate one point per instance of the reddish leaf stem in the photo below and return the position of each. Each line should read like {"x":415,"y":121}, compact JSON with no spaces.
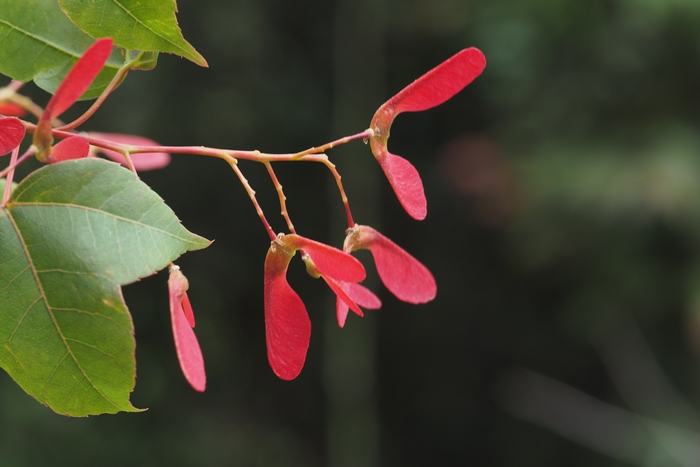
{"x":28,"y":153}
{"x":8,"y":180}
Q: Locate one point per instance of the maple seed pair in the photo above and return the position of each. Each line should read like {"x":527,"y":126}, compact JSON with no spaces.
{"x":287,"y":324}
{"x":403,"y":275}
{"x":430,"y":90}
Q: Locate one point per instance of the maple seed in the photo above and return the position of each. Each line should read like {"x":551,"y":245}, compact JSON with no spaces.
{"x":73,"y":147}
{"x":360,"y":295}
{"x":10,"y":109}
{"x":187,"y":347}
{"x":430,"y":90}
{"x":74,"y":85}
{"x":404,"y":276}
{"x":11,"y":134}
{"x":287,"y":325}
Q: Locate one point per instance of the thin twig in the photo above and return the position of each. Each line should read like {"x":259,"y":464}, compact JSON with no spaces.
{"x":282,"y":198}
{"x":10,"y":175}
{"x":323,"y":159}
{"x":28,"y":153}
{"x":368,"y":133}
{"x":116,"y":80}
{"x":251,"y":193}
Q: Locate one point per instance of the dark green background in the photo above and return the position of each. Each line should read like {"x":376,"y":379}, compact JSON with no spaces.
{"x":563,"y":231}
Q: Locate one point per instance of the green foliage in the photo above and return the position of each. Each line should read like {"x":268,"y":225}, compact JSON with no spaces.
{"x":72,"y":234}
{"x":148,"y":25}
{"x":38,"y":42}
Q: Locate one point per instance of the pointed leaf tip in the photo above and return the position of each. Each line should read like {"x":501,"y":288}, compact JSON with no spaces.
{"x":134,"y":25}
{"x":11,"y":134}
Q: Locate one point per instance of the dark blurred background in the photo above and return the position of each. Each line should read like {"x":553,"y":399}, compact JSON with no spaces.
{"x":563,"y":230}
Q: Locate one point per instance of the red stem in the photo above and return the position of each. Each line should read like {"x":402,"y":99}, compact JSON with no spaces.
{"x":282,"y":198}
{"x":251,"y":193}
{"x":10,"y":175}
{"x":313,"y":154}
{"x":323,"y":159}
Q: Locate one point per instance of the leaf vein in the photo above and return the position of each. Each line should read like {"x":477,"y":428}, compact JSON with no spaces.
{"x":42,"y":297}
{"x":46,"y":43}
{"x":146,"y":26}
{"x":115,"y":216}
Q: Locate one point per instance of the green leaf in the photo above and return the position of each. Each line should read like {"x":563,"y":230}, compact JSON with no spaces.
{"x":133,"y":24}
{"x":70,"y":236}
{"x":145,"y":60}
{"x":39,"y":42}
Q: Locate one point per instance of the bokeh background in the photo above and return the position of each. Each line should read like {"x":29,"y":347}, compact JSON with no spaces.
{"x":563,"y":230}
